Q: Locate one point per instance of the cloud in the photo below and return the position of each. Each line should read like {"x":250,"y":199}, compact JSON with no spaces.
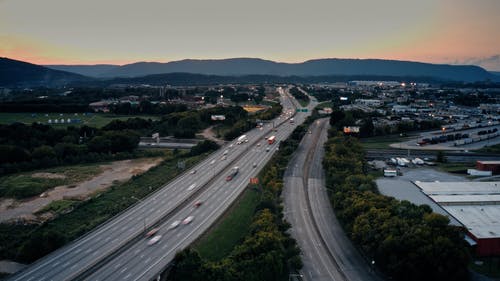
{"x":490,"y":63}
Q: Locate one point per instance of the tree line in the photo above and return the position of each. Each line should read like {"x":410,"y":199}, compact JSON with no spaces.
{"x":296,"y":93}
{"x":406,"y":241}
{"x":25,"y":147}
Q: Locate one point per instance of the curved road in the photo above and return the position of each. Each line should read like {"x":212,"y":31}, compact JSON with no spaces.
{"x":327,"y":253}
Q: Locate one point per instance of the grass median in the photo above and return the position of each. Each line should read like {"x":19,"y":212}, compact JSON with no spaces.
{"x":231,"y":229}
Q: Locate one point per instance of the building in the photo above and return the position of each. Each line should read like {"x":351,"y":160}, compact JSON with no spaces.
{"x":493,"y":166}
{"x":476,"y":205}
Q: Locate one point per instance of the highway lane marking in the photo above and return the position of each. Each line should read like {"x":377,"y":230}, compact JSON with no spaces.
{"x":78,"y":251}
{"x":56,"y":263}
{"x":118,"y":265}
{"x":88,"y":251}
{"x":73,"y":266}
{"x":137,"y":251}
{"x":66,"y":264}
{"x":146,"y":261}
{"x":128,"y":275}
{"x":123,"y":270}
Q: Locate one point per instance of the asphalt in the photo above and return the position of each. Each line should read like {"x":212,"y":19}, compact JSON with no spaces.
{"x":118,"y":250}
{"x":327,"y":253}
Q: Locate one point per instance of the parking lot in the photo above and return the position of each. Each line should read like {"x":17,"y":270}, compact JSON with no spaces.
{"x":402,"y":187}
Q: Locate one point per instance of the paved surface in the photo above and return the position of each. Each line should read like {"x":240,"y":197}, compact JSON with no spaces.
{"x":402,"y":187}
{"x":118,"y":250}
{"x":327,"y":253}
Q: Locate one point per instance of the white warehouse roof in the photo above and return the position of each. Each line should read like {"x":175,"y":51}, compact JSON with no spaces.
{"x":474,"y":204}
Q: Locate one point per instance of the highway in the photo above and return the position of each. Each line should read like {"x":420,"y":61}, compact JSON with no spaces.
{"x":118,"y":247}
{"x":144,"y":262}
{"x":327,"y":253}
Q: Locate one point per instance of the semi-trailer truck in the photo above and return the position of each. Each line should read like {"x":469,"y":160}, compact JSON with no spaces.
{"x":242,"y":139}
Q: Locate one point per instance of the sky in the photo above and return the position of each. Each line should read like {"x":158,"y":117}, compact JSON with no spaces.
{"x":126,"y":31}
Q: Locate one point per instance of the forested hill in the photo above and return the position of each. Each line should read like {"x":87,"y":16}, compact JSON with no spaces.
{"x":14,"y":73}
{"x":318,"y":67}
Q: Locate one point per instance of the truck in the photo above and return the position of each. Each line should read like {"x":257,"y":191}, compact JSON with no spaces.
{"x":390,"y":172}
{"x":232,"y":173}
{"x":241,"y":139}
{"x":271,"y":139}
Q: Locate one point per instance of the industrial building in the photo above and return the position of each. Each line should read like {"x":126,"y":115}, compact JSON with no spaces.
{"x":492,"y":166}
{"x":476,"y":205}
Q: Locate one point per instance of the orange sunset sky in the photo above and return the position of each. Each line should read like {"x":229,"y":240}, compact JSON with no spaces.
{"x":125,"y":31}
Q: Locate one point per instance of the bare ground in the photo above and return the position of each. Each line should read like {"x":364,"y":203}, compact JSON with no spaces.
{"x":12,"y":210}
{"x":209,"y":134}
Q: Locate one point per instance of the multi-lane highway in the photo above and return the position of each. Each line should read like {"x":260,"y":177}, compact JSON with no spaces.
{"x":118,"y":249}
{"x":327,"y":253}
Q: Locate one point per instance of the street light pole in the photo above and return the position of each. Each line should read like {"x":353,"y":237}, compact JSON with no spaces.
{"x":144,"y":218}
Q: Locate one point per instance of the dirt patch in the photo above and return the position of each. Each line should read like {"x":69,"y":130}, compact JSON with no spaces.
{"x":118,"y":171}
{"x":48,"y":176}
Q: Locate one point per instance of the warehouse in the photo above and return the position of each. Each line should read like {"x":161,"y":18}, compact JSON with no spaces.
{"x":492,"y":166}
{"x":476,"y":205}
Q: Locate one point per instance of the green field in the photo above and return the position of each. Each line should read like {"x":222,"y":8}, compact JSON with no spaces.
{"x":220,"y":241}
{"x":90,"y":119}
{"x":24,"y":185}
{"x":325,"y":104}
{"x":382,"y":142}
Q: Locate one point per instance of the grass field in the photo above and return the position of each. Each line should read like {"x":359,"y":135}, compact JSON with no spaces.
{"x":456,"y":168}
{"x":490,"y":149}
{"x":220,"y":241}
{"x":325,"y":104}
{"x":33,"y":183}
{"x":382,"y":142}
{"x":90,"y":119}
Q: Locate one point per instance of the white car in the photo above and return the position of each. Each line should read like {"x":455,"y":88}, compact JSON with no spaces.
{"x":174,"y":224}
{"x":193,"y":172}
{"x":191,"y":187}
{"x":154,"y":240}
{"x":188,"y":220}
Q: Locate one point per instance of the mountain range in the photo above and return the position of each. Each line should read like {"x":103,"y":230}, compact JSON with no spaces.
{"x":319,"y":67}
{"x":14,"y":73}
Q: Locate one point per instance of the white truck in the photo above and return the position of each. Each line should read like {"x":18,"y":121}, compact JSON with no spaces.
{"x":242,"y":139}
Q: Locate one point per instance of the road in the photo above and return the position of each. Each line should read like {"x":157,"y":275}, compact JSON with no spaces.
{"x":143,"y":262}
{"x":117,"y":250}
{"x":327,"y":253}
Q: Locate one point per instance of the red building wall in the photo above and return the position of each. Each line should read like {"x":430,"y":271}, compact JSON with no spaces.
{"x":487,"y":246}
{"x":494,"y":168}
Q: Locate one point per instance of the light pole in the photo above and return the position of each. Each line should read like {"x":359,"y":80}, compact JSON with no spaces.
{"x":144,"y":218}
